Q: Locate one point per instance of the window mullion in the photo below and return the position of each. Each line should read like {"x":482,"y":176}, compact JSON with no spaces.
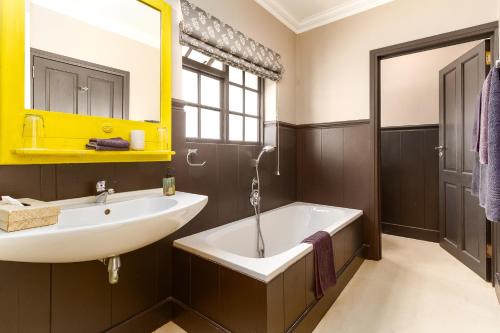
{"x":260,"y":102}
{"x":199,"y":106}
{"x":225,"y":107}
{"x":244,"y":107}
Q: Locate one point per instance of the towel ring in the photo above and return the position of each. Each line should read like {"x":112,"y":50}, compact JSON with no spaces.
{"x":188,"y":160}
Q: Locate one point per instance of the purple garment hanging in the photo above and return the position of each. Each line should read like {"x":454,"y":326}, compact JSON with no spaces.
{"x":483,"y":121}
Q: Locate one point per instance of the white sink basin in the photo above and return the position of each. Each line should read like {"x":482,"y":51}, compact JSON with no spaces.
{"x":88,"y":231}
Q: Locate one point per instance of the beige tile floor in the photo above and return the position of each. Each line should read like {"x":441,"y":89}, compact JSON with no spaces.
{"x":416,"y":288}
{"x":170,"y":328}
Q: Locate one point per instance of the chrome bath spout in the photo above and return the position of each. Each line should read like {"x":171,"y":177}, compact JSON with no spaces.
{"x":265,"y":149}
{"x":255,"y":200}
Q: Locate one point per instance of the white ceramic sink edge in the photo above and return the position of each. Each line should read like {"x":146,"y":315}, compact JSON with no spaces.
{"x":87,"y":231}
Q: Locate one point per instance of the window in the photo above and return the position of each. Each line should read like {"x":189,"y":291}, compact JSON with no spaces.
{"x":223,"y":103}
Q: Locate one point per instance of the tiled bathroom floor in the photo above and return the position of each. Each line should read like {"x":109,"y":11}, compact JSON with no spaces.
{"x":170,"y":328}
{"x":417,"y":287}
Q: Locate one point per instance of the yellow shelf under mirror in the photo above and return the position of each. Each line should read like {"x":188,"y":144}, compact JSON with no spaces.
{"x":80,"y":152}
{"x":100,"y":156}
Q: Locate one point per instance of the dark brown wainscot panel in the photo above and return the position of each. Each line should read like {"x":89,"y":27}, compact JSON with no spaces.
{"x":212,"y":298}
{"x":334,"y":168}
{"x":27,"y":287}
{"x":409,"y":181}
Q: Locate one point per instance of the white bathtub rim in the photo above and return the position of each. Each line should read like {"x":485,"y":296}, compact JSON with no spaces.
{"x":262,"y":269}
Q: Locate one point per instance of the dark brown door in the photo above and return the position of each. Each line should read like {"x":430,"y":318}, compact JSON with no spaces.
{"x":55,"y":86}
{"x":462,"y":220}
{"x":77,"y":87}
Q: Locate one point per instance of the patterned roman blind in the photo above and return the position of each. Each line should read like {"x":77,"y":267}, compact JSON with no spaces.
{"x":210,"y":36}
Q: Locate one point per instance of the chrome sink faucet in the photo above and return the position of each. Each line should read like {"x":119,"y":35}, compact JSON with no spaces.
{"x":102,"y":193}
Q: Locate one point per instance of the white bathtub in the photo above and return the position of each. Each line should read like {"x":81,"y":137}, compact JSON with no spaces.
{"x":234,"y":245}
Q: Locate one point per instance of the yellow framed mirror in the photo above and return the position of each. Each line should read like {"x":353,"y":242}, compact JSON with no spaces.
{"x":33,"y":133}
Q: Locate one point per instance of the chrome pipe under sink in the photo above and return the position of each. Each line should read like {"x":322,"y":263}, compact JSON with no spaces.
{"x":114,"y":264}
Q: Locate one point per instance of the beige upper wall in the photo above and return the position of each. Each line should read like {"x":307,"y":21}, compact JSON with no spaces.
{"x":333,"y":61}
{"x":254,"y":21}
{"x":409,"y":88}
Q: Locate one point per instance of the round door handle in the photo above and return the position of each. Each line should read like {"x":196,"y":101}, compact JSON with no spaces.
{"x":83,"y":88}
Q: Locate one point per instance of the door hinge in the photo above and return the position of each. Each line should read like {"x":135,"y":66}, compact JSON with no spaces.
{"x":489,"y":251}
{"x":488,"y":58}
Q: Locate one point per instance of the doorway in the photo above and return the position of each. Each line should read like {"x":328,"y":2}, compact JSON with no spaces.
{"x":487,"y":31}
{"x":428,"y":103}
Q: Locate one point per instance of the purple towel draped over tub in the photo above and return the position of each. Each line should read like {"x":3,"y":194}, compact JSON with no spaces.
{"x":324,"y":268}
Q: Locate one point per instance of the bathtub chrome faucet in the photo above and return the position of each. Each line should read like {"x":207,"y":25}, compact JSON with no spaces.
{"x":255,"y":200}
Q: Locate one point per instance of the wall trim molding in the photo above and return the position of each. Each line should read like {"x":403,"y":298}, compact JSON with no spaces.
{"x":338,"y":12}
{"x":179,"y":307}
{"x":409,"y":127}
{"x":272,"y":123}
{"x":410,"y":232}
{"x":149,"y":319}
{"x":344,"y":123}
{"x":327,"y":16}
{"x":280,"y":13}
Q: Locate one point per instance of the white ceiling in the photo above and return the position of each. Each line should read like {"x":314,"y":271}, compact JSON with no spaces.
{"x":303,"y":15}
{"x":129,"y":18}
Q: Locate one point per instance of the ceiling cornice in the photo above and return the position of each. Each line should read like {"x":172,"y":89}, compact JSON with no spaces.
{"x":331,"y":15}
{"x":280,"y":13}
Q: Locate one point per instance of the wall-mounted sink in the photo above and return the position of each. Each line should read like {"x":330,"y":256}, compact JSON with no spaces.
{"x":88,"y":231}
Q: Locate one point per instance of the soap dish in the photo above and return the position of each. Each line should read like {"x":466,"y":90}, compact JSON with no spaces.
{"x":33,"y":214}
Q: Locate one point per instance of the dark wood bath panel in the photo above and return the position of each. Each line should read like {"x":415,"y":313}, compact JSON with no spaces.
{"x":208,"y":297}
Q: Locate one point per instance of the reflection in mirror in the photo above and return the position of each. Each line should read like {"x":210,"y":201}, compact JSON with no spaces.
{"x":94,"y":57}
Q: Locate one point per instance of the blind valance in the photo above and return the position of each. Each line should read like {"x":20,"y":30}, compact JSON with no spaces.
{"x":208,"y":35}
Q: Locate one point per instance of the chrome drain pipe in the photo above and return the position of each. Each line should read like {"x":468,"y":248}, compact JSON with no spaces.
{"x":114,"y":264}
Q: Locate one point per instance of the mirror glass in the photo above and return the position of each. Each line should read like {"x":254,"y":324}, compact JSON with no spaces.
{"x":94,"y":57}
